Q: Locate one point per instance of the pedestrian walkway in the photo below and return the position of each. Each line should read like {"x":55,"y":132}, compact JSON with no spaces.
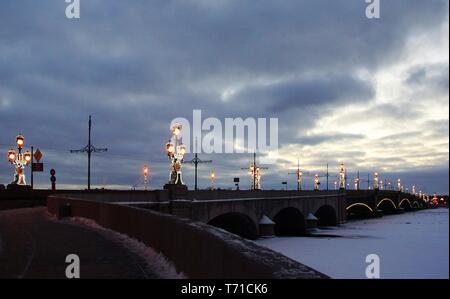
{"x":34,"y":246}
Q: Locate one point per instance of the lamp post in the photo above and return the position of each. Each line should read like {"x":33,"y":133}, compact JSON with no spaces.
{"x":357,"y":183}
{"x":175,"y":151}
{"x":19,"y":160}
{"x":316,"y":182}
{"x":342,"y":176}
{"x":299,"y":180}
{"x":146,"y":172}
{"x":255,"y":173}
{"x":299,"y":173}
{"x":399,"y":185}
{"x":376,"y":181}
{"x":197,"y":161}
{"x":212,"y":175}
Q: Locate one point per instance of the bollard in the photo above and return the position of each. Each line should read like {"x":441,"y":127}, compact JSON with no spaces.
{"x":64,"y":211}
{"x":53,"y":179}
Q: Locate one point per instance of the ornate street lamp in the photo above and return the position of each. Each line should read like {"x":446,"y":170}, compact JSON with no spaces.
{"x":255,"y":173}
{"x":356,"y":183}
{"x":299,"y":173}
{"x":19,"y":160}
{"x":342,"y":176}
{"x":399,"y":185}
{"x":146,"y":171}
{"x":213,"y":177}
{"x":175,"y":151}
{"x":434,"y":200}
{"x":316,"y":182}
{"x":376,"y":181}
{"x":299,"y":179}
{"x":255,"y":176}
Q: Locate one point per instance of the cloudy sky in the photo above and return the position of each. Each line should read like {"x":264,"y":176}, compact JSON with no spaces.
{"x":373,"y":93}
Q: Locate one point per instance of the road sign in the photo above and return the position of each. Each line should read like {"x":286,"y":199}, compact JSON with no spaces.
{"x":38,"y":155}
{"x":52,"y":172}
{"x":37,"y":167}
{"x":236,"y":180}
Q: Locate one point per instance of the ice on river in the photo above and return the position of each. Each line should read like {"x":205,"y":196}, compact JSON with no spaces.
{"x":410,"y":245}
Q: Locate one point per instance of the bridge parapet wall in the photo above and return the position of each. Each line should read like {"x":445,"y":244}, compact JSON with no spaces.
{"x":256,"y":208}
{"x":197,"y":249}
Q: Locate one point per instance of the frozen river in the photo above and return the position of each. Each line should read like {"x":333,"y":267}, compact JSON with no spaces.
{"x":409,"y":245}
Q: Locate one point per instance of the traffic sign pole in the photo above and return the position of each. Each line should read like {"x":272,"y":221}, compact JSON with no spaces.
{"x":35,"y":167}
{"x":32,"y":172}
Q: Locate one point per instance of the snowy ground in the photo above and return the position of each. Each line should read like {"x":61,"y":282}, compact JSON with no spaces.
{"x":410,"y":245}
{"x":156,"y":262}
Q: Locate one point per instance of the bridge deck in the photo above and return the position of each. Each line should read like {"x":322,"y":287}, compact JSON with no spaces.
{"x":34,"y":246}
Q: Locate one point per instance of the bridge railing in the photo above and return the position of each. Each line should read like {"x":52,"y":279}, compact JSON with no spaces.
{"x":196,"y":249}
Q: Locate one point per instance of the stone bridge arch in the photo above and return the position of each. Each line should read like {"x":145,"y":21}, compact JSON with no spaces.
{"x":326,"y":215}
{"x":237,"y":223}
{"x":387,"y":205}
{"x":207,"y":211}
{"x":358,"y":210}
{"x":405,"y":203}
{"x":229,"y":214}
{"x":289,"y":221}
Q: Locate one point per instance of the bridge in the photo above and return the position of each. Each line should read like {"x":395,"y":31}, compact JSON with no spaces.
{"x":245,"y":213}
{"x":178,"y":229}
{"x":366,"y":203}
{"x":248,"y":213}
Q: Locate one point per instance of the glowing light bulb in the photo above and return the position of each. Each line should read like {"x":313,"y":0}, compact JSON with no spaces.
{"x":27,"y":156}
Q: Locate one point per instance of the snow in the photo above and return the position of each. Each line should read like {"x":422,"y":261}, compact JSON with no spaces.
{"x":266,"y":220}
{"x":156,"y":262}
{"x":311,"y":217}
{"x":410,"y":245}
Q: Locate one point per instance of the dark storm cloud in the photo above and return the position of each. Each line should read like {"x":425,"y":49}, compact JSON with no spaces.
{"x":316,"y":91}
{"x":137,"y":65}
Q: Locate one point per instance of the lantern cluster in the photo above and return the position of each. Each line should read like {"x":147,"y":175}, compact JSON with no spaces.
{"x":255,"y":176}
{"x":342,"y":176}
{"x":19,"y":160}
{"x":176,"y":151}
{"x":316,"y":182}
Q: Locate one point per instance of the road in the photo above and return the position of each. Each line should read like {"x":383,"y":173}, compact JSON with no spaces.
{"x":32,"y":245}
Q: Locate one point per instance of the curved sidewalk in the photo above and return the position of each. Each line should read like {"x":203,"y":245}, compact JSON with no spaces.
{"x":34,"y":246}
